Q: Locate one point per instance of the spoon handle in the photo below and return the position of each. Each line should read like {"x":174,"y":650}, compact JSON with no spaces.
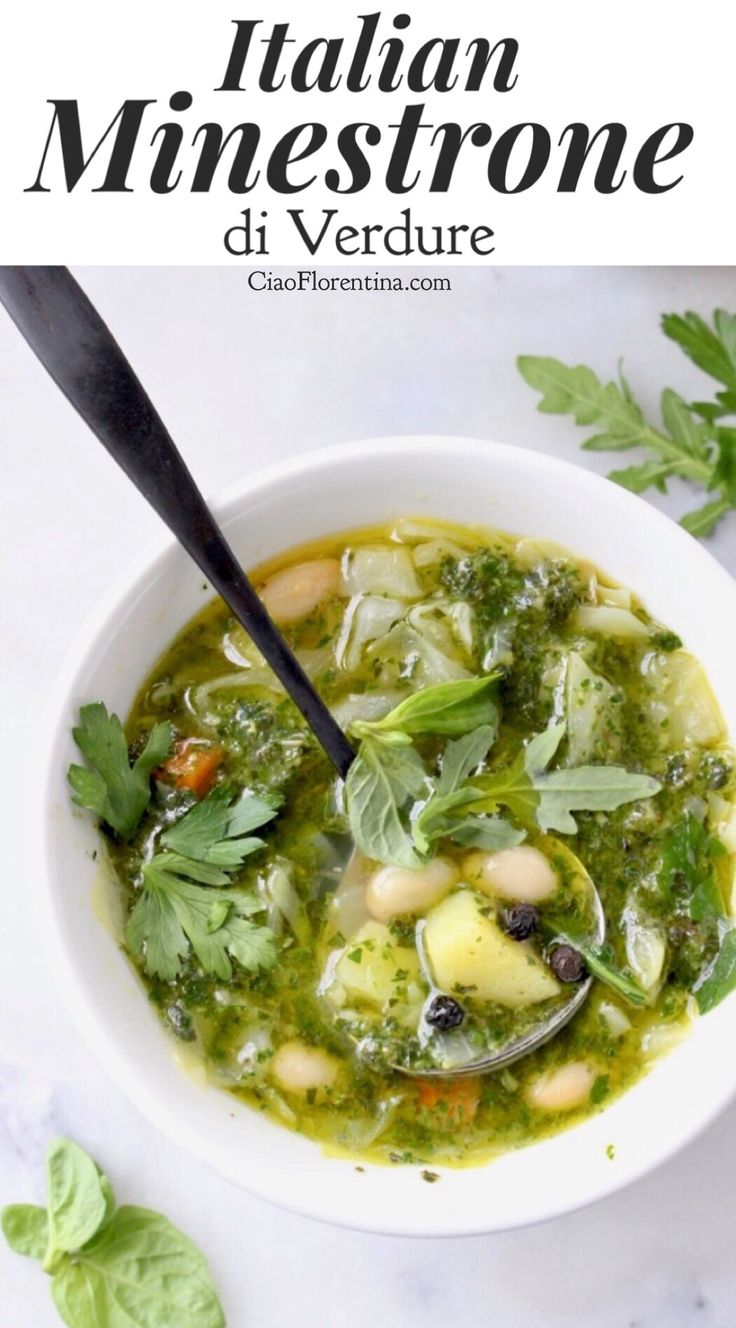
{"x":67,"y":334}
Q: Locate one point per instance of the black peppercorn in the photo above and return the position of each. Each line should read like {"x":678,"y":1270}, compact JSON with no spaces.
{"x":443,"y":1012}
{"x":521,"y":921}
{"x":567,"y":964}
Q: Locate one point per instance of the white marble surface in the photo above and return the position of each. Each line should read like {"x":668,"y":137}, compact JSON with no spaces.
{"x":242,"y":379}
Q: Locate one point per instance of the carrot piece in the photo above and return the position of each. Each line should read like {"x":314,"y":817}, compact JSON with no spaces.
{"x":456,"y":1099}
{"x":193,"y":766}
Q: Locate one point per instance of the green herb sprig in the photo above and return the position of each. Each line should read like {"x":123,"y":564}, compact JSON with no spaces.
{"x":693,"y":442}
{"x":110,"y":1267}
{"x":112,"y":786}
{"x":397,"y":812}
{"x":182,"y":903}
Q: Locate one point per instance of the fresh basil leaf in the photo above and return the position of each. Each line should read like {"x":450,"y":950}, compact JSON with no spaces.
{"x":115,"y":790}
{"x":140,"y":1272}
{"x":719,"y":979}
{"x":449,"y":708}
{"x":26,"y":1229}
{"x":379,"y":784}
{"x":77,"y":1201}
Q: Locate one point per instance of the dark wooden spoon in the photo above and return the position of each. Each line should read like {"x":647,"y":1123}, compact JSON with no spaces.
{"x":70,"y":339}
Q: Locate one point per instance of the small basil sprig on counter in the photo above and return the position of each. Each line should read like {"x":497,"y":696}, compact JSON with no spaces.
{"x":547,"y":798}
{"x":117,"y":790}
{"x":450,"y":708}
{"x":444,"y":814}
{"x":110,"y":1267}
{"x":182,"y":904}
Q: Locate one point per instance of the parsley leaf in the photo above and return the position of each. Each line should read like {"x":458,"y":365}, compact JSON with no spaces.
{"x":182,"y":904}
{"x":179,"y":906}
{"x":115,"y":790}
{"x":216,"y":831}
{"x":691,"y":443}
{"x":110,"y":1267}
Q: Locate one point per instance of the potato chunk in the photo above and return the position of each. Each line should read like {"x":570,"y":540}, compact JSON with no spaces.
{"x":464,"y":947}
{"x":374,"y":969}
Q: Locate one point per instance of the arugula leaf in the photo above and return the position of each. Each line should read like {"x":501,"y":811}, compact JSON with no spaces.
{"x":438,"y":818}
{"x":450,"y":708}
{"x":719,"y":979}
{"x":174,"y":912}
{"x":216,"y":830}
{"x":135,"y":1270}
{"x":691,"y":444}
{"x":712,"y":349}
{"x":26,"y":1229}
{"x":115,"y":790}
{"x":546,"y":799}
{"x":379,"y":784}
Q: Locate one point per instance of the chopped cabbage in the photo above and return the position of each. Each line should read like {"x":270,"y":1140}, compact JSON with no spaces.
{"x":645,"y":949}
{"x":366,"y":618}
{"x":609,"y":621}
{"x":365,"y":705}
{"x":682,"y":706}
{"x":406,"y":652}
{"x":588,"y":710}
{"x":381,"y":570}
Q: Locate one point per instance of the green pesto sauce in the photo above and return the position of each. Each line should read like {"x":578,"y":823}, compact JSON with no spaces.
{"x":638,"y":700}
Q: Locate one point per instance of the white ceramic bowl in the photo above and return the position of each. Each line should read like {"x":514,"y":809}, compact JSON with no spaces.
{"x":333,"y":490}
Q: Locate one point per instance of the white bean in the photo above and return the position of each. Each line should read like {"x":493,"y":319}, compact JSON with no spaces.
{"x":299,"y":1068}
{"x":562,"y":1089}
{"x":396,"y":890}
{"x":295,"y":592}
{"x":521,"y":873}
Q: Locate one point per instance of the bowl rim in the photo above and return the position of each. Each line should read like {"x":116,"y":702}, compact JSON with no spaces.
{"x":96,"y":1032}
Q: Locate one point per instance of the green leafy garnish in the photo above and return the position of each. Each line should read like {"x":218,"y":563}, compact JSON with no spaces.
{"x":692,"y":442}
{"x":686,"y":874}
{"x":547,"y":799}
{"x":445,"y":815}
{"x":599,"y":961}
{"x":450,"y":708}
{"x":380,"y":783}
{"x":182,"y":903}
{"x":217,"y":831}
{"x":110,"y":1267}
{"x":719,"y":979}
{"x":115,"y":790}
